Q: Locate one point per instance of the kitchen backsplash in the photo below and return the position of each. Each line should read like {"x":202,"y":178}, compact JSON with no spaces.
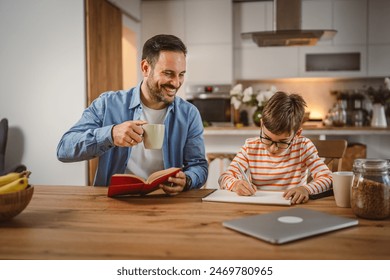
{"x":317,"y":92}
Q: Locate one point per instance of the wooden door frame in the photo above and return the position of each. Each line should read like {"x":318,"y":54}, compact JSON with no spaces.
{"x":103,"y":22}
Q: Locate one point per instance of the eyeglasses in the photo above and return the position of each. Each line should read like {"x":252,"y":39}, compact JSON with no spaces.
{"x":269,"y":142}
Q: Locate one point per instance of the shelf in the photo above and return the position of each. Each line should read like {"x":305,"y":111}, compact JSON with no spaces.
{"x":254,"y":131}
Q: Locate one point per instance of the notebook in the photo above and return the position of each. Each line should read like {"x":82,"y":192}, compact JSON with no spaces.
{"x":285,"y":226}
{"x":260,"y":197}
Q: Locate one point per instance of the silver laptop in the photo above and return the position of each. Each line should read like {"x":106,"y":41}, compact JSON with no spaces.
{"x":284,"y":226}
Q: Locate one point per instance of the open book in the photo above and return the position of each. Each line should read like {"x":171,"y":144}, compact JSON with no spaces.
{"x":260,"y":197}
{"x":126,"y":184}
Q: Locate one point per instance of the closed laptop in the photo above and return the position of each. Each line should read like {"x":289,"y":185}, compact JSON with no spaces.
{"x":285,"y":226}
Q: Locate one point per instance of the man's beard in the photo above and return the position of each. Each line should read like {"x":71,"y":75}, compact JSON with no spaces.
{"x":156,"y":93}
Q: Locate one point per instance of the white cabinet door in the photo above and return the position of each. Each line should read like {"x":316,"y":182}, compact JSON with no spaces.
{"x":317,"y":15}
{"x":379,"y":22}
{"x":254,"y":63}
{"x":209,"y":64}
{"x":208,"y":22}
{"x":251,"y":17}
{"x":379,"y":38}
{"x":379,"y":60}
{"x":162,"y":17}
{"x":205,"y":27}
{"x":350,"y":21}
{"x":209,"y":33}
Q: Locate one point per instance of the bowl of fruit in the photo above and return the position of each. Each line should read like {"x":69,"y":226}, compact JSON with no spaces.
{"x":15,"y":194}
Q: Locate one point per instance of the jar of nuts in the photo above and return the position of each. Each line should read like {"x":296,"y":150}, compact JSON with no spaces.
{"x":370,"y":196}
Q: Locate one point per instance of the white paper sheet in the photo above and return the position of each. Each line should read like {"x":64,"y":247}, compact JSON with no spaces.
{"x":260,"y":197}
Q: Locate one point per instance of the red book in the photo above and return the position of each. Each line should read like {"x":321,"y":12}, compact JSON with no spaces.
{"x":127,"y":184}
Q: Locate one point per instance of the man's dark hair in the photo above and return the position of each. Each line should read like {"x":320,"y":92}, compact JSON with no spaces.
{"x":162,"y":42}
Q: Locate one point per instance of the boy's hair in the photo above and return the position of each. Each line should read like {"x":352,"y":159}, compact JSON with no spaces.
{"x":283,"y":113}
{"x":162,"y":42}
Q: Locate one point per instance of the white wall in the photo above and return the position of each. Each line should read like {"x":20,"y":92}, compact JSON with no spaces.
{"x":42,"y":83}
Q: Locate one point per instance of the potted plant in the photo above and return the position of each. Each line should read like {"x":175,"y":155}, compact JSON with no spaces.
{"x":251,"y":102}
{"x":380,"y":99}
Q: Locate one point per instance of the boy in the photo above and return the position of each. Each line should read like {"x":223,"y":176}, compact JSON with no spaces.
{"x":280,"y":158}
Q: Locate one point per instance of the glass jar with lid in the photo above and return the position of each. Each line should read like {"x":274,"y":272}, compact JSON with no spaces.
{"x":370,"y":197}
{"x":339,"y":114}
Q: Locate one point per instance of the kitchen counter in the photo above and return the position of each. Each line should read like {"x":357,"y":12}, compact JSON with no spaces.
{"x":231,"y":139}
{"x":307,"y":130}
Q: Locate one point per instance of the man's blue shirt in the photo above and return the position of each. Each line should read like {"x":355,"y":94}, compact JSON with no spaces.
{"x":91,"y":136}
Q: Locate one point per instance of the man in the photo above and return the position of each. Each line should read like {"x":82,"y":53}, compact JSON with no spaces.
{"x":111,"y":127}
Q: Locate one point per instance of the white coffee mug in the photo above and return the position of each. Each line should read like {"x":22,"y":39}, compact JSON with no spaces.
{"x":342,"y":185}
{"x":153,"y":136}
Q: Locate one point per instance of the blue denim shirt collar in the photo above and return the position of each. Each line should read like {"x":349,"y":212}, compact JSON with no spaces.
{"x":136,"y":101}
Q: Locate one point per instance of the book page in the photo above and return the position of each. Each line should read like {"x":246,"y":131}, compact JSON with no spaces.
{"x":260,"y":197}
{"x":161,"y":173}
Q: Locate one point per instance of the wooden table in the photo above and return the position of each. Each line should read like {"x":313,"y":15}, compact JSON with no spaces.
{"x":74,"y":222}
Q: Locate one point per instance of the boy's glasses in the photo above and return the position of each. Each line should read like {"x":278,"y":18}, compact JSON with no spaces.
{"x":269,"y":142}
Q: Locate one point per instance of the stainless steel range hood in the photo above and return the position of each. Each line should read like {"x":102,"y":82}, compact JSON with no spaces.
{"x":288,"y":32}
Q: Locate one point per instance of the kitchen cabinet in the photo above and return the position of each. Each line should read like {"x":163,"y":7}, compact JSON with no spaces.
{"x":208,"y":22}
{"x":318,"y":15}
{"x":162,"y":17}
{"x":355,"y":68}
{"x":251,"y":17}
{"x":252,"y":62}
{"x":209,"y":38}
{"x":379,"y":21}
{"x":349,"y":18}
{"x":350,"y":21}
{"x":205,"y":27}
{"x":379,"y":60}
{"x":360,"y":25}
{"x":378,"y":38}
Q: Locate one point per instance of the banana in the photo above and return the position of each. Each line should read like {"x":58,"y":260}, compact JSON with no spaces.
{"x":10,"y":177}
{"x":14,"y":186}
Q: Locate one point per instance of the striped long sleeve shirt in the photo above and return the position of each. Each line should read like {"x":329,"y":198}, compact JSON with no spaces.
{"x":279,"y":172}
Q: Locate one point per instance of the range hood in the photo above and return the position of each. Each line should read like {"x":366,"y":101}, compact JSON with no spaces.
{"x":287,"y":25}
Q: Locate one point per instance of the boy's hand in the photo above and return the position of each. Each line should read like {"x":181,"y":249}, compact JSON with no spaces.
{"x":242,"y":187}
{"x":297,"y":195}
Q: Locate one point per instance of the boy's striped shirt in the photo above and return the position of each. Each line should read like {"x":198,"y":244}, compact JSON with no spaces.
{"x":280,"y":172}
